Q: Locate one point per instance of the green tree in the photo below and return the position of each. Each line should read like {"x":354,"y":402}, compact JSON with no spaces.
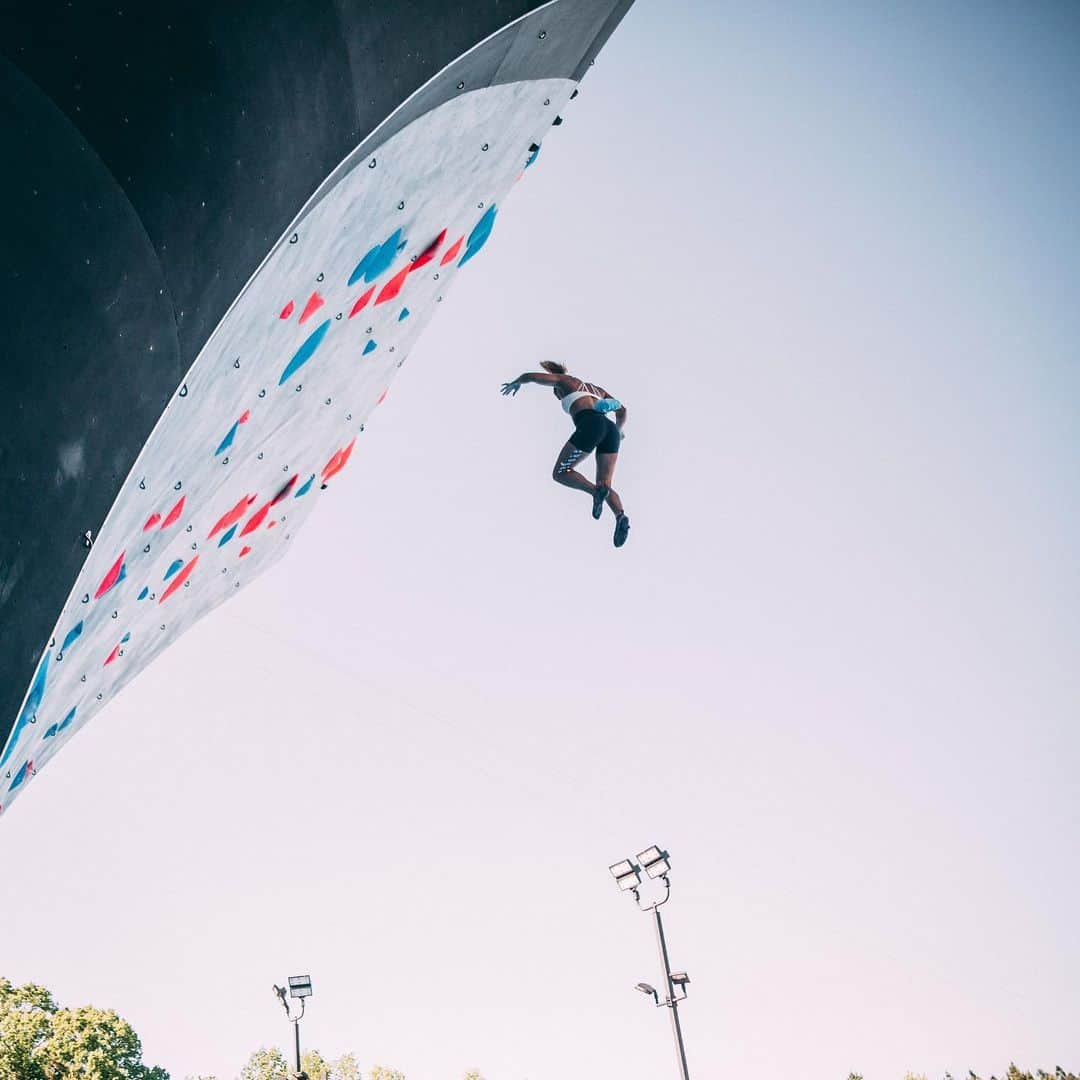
{"x":41,"y":1041}
{"x":315,"y":1065}
{"x":345,"y":1068}
{"x":265,"y":1064}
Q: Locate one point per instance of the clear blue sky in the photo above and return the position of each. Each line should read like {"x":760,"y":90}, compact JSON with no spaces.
{"x":828,"y":254}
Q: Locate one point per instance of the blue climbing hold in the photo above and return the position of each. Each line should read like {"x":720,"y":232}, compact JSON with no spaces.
{"x":305,"y":487}
{"x":363,"y":264}
{"x":532,"y":157}
{"x":72,"y":635}
{"x":173,"y":567}
{"x":370,"y":347}
{"x":20,"y":776}
{"x":479,"y":236}
{"x":29,"y":710}
{"x":126,"y":638}
{"x":55,"y":729}
{"x":377,"y":261}
{"x":304,"y":353}
{"x":228,"y":440}
{"x":144,"y":594}
{"x":404,"y":314}
{"x":228,"y":536}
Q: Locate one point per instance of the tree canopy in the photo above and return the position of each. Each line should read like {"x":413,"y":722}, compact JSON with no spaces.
{"x":39,"y":1040}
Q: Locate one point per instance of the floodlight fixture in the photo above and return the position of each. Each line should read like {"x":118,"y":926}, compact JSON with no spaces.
{"x":680,"y":978}
{"x":626,"y":874}
{"x":645,"y":988}
{"x":300,"y":986}
{"x":655,"y":861}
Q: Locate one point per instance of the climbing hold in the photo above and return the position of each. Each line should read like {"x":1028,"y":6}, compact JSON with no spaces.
{"x":151,"y":521}
{"x":232,"y":516}
{"x":315,"y":301}
{"x":256,"y":519}
{"x":179,"y":580}
{"x":112,"y":577}
{"x":174,"y":514}
{"x":452,"y":251}
{"x":173,"y":567}
{"x":393,"y":286}
{"x":370,"y":347}
{"x":244,"y":551}
{"x":337,"y":462}
{"x":284,"y":490}
{"x":304,"y":353}
{"x":428,"y":253}
{"x":227,"y":536}
{"x":404,"y":314}
{"x":286,"y":311}
{"x":145,"y":592}
{"x":72,"y":635}
{"x":305,"y":487}
{"x":479,"y":236}
{"x":362,"y":302}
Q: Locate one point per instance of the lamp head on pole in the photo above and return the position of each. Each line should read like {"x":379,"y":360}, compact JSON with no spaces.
{"x":626,"y":874}
{"x":655,"y":861}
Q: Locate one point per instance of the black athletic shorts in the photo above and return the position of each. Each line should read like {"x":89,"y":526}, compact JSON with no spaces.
{"x":594,"y":431}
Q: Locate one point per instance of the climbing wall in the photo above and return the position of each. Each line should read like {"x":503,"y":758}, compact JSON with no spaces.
{"x":274,"y":406}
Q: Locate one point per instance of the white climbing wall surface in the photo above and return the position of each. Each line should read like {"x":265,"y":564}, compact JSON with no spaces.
{"x":274,"y":405}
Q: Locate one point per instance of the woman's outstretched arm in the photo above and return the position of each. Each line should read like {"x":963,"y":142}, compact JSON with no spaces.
{"x":541,"y":377}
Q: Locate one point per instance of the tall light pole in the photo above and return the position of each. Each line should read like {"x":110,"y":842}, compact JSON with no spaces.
{"x":299,"y":987}
{"x":627,"y":875}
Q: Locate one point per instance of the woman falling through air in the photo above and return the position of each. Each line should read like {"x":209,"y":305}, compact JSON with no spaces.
{"x":587,"y":405}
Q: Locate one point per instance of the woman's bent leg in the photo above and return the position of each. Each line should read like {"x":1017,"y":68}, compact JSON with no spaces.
{"x":605,"y":473}
{"x":564,"y":472}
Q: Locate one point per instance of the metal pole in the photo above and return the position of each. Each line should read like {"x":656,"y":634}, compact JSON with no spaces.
{"x":296,"y":1029}
{"x":672,"y":1004}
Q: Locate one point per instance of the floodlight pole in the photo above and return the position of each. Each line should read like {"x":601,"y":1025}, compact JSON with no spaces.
{"x":672,"y":1001}
{"x":296,"y":1031}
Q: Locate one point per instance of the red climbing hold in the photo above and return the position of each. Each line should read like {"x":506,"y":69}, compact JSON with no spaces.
{"x":362,"y":302}
{"x":428,"y":253}
{"x":256,"y":519}
{"x":112,"y":656}
{"x":151,"y":521}
{"x":232,"y":517}
{"x":337,"y":462}
{"x":174,"y":514}
{"x":452,"y":254}
{"x":270,"y":524}
{"x":315,"y":301}
{"x":393,"y":286}
{"x":245,"y":418}
{"x":286,"y":311}
{"x":111,"y":578}
{"x":244,"y":551}
{"x":285,"y":489}
{"x":382,"y":396}
{"x":179,"y":580}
